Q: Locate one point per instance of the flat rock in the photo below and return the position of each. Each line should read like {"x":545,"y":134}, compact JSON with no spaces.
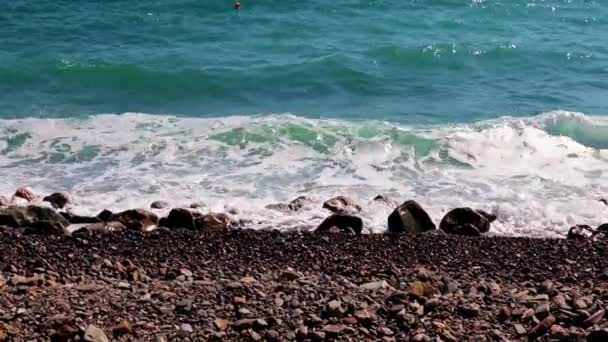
{"x":409,"y":217}
{"x":101,"y":228}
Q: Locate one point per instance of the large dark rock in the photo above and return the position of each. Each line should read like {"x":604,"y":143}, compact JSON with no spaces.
{"x":100,"y":228}
{"x":341,"y":222}
{"x":179,"y":218}
{"x":78,"y":219}
{"x":159,"y":205}
{"x":409,"y":217}
{"x":580,"y":232}
{"x":4,"y":202}
{"x":105,"y":215}
{"x":466,"y":230}
{"x":58,"y":199}
{"x":38,"y":220}
{"x":213,"y":221}
{"x":341,"y":205}
{"x":135,"y":219}
{"x":459,"y":217}
{"x":26,"y":193}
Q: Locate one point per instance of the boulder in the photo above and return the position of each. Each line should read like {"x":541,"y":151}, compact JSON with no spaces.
{"x":602,"y":231}
{"x":464,"y":216}
{"x":135,"y":219}
{"x":341,"y":205}
{"x":409,"y":217}
{"x":466,"y":230}
{"x":58,"y":199}
{"x":341,"y":222}
{"x":94,"y":334}
{"x":179,"y":218}
{"x":159,"y":205}
{"x":77,"y":219}
{"x":101,"y":228}
{"x":580,"y":232}
{"x":295,"y":205}
{"x":26,"y":193}
{"x":104,"y":215}
{"x":213,"y":221}
{"x":37,"y":220}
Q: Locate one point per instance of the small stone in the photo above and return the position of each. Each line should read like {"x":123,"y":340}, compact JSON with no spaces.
{"x":272,"y":336}
{"x":244,"y":312}
{"x":123,"y":285}
{"x":504,"y":314}
{"x":159,"y":205}
{"x":186,"y":329}
{"x":598,"y":336}
{"x":94,"y":334}
{"x":248,"y":280}
{"x":317,"y":336}
{"x":431,"y":304}
{"x":596,"y":318}
{"x":26,"y":193}
{"x":519,"y":329}
{"x":123,"y":328}
{"x":542,"y":310}
{"x":239,"y":301}
{"x":559,"y":333}
{"x":242,"y":324}
{"x":350,"y":320}
{"x":376,"y":285}
{"x":542,"y":327}
{"x":421,"y":289}
{"x":386,"y":331}
{"x":333,"y":329}
{"x":302,"y":332}
{"x":254,"y":335}
{"x":364,"y":316}
{"x":260,"y":324}
{"x":421,"y":338}
{"x":159,"y":338}
{"x":290,"y":274}
{"x":527,"y":315}
{"x":221,"y":324}
{"x":184,"y":305}
{"x":334,"y":306}
{"x":469,"y":310}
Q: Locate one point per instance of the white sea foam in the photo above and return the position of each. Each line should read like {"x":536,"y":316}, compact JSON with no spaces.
{"x":539,"y":175}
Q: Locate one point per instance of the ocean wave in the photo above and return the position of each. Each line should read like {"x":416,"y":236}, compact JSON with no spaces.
{"x":539,"y":174}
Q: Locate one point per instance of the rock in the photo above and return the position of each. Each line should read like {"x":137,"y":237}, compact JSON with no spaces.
{"x":542,"y":310}
{"x":104,"y":215}
{"x":580,"y":232}
{"x":58,"y":199}
{"x":180,"y":218}
{"x":94,"y":334}
{"x":334,"y":307}
{"x":341,"y":205}
{"x":431,"y":304}
{"x":4,"y":202}
{"x":469,"y":310}
{"x":422,"y":337}
{"x":185,"y":329}
{"x":603,"y":200}
{"x":598,"y":336}
{"x":559,"y":333}
{"x":65,"y":333}
{"x":490,"y":217}
{"x":376,"y":285}
{"x":213,"y":221}
{"x":221,"y":324}
{"x":409,"y":217}
{"x":290,"y":274}
{"x":596,"y":318}
{"x":77,"y":219}
{"x":295,"y":205}
{"x":26,"y":193}
{"x":519,"y":329}
{"x":317,"y":336}
{"x":254,"y":336}
{"x":243,"y":324}
{"x":38,"y":220}
{"x":159,"y":205}
{"x":421,"y":289}
{"x":466,"y":230}
{"x":272,"y":336}
{"x":386,"y":331}
{"x":123,"y":328}
{"x":197,"y":205}
{"x":101,"y":228}
{"x":135,"y":219}
{"x":333,"y":330}
{"x":184,"y":305}
{"x":341,"y":222}
{"x":504,"y":314}
{"x":602,"y":231}
{"x":542,"y":327}
{"x":453,"y":221}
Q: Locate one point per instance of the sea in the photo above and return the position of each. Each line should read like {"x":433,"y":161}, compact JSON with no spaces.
{"x":491,"y":104}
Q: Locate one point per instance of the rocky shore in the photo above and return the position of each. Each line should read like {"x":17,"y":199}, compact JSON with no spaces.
{"x":194,"y":276}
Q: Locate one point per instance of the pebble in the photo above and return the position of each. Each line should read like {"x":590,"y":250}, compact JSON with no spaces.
{"x":559,"y":333}
{"x":94,"y":334}
{"x":185,"y":329}
{"x":242,"y":324}
{"x":375,"y":286}
{"x":272,"y":336}
{"x":123,"y":328}
{"x":542,"y":327}
{"x":595,"y":318}
{"x":386,"y":331}
{"x":542,"y":310}
{"x":221,"y":324}
{"x":519,"y":329}
{"x":254,"y":335}
{"x":469,"y":310}
{"x":290,"y":274}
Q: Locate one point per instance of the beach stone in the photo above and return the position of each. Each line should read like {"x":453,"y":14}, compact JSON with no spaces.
{"x":65,"y":333}
{"x":185,"y":329}
{"x":421,"y":337}
{"x":25,"y":193}
{"x":243,"y":324}
{"x":542,"y":327}
{"x":254,"y":336}
{"x":159,"y":205}
{"x":94,"y":334}
{"x":272,"y":336}
{"x":213,"y":221}
{"x":221,"y":324}
{"x":123,"y":328}
{"x":333,"y":330}
{"x":38,"y":220}
{"x":456,"y":218}
{"x":466,"y":230}
{"x":375,"y":285}
{"x":409,"y":217}
{"x":78,"y":219}
{"x":101,"y":228}
{"x":104,"y":215}
{"x":58,"y":199}
{"x":596,"y":318}
{"x":290,"y":274}
{"x":4,"y":202}
{"x":341,"y":222}
{"x":420,"y":289}
{"x":504,"y":314}
{"x":469,"y":310}
{"x":342,"y":205}
{"x":135,"y":219}
{"x":520,"y":329}
{"x":559,"y":333}
{"x":598,"y":336}
{"x":542,"y":310}
{"x":180,"y":218}
{"x":295,"y":205}
{"x":580,"y":232}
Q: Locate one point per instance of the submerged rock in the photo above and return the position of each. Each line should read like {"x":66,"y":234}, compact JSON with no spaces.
{"x":455,"y":220}
{"x":159,"y":205}
{"x":26,"y":193}
{"x":341,"y":222}
{"x":580,"y":232}
{"x":58,"y":199}
{"x":409,"y":217}
{"x":341,"y":205}
{"x":295,"y":205}
{"x":213,"y":221}
{"x":104,"y":215}
{"x":179,"y":218}
{"x":135,"y":219}
{"x":77,"y":219}
{"x":37,"y":220}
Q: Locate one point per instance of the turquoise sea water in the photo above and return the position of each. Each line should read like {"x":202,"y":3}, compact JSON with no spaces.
{"x":495,"y":104}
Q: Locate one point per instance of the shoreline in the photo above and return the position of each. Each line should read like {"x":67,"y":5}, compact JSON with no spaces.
{"x":266,"y":285}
